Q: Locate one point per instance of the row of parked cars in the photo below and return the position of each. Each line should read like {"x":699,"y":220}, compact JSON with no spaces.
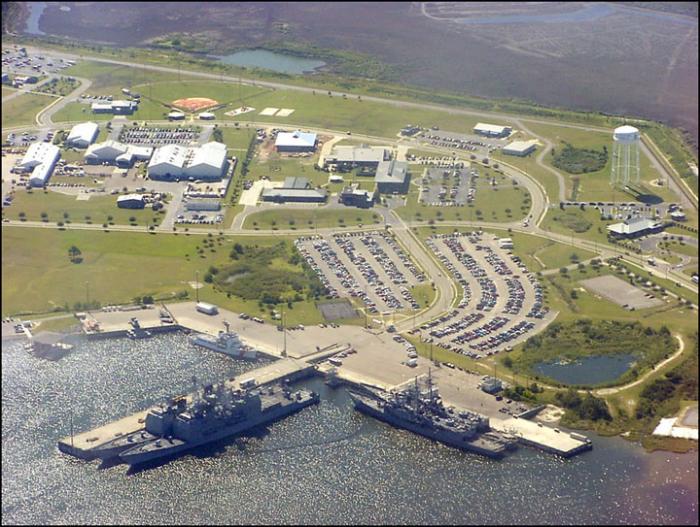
{"x":140,"y":135}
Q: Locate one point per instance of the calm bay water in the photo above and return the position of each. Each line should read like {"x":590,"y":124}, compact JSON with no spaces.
{"x":36,"y":9}
{"x":261,"y":58}
{"x":588,"y":370}
{"x":326,"y":464}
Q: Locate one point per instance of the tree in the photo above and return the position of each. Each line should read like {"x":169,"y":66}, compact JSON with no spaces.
{"x":74,"y":254}
{"x":508,"y":362}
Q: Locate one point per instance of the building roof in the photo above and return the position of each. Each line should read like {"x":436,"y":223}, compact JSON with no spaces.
{"x":296,"y":183}
{"x":211,"y":154}
{"x":633,"y":226}
{"x":391,"y":172}
{"x":39,"y":153}
{"x":206,"y":115}
{"x":290,"y":193}
{"x":520,"y":147}
{"x":130,"y":197}
{"x":361,"y":154}
{"x":101,"y":106}
{"x":106,"y":150}
{"x":173,"y":155}
{"x":83,"y":132}
{"x":491,"y":128}
{"x":296,"y":138}
{"x":355,"y":190}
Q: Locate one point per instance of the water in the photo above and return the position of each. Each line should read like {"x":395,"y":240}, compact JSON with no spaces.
{"x":587,"y":370}
{"x":327,"y":464}
{"x":588,"y":13}
{"x":36,"y":9}
{"x":260,"y":58}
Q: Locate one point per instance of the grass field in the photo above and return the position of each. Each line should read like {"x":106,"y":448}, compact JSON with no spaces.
{"x":278,"y":168}
{"x":23,"y":109}
{"x":504,"y":203}
{"x":530,"y":167}
{"x":237,"y":140}
{"x":56,"y":204}
{"x":575,"y":222}
{"x":39,"y":277}
{"x":61,"y":86}
{"x":595,"y":186}
{"x":681,"y":248}
{"x":7,"y":91}
{"x":298,"y":218}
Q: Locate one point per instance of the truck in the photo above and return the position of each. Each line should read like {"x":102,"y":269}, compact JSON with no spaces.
{"x":247,"y":383}
{"x":207,"y":309}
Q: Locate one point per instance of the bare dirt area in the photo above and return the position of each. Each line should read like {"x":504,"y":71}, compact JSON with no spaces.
{"x":607,"y":57}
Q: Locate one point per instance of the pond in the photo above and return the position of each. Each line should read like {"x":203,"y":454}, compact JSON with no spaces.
{"x":260,"y":58}
{"x":586,"y":370}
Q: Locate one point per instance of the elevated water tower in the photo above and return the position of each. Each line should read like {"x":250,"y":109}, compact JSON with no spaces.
{"x":625,"y":156}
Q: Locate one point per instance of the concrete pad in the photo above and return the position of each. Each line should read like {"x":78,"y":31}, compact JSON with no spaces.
{"x":285,"y":112}
{"x":251,"y":196}
{"x":239,"y":111}
{"x":269,"y":111}
{"x":84,"y":196}
{"x":620,"y":292}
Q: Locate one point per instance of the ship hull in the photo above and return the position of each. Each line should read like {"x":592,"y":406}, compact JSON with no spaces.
{"x":240,"y":353}
{"x":134,"y":456}
{"x":452,"y":440}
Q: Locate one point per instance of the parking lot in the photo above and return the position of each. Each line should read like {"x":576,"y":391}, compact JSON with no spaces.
{"x":620,"y":292}
{"x":502,"y":302}
{"x":622,"y":210}
{"x":159,"y":136}
{"x":437,"y":161}
{"x":16,"y":61}
{"x":370,"y":266}
{"x":468,"y":142}
{"x":444,"y":187}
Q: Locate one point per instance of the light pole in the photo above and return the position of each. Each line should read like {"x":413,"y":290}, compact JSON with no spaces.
{"x":196,"y":285}
{"x":87,"y":295}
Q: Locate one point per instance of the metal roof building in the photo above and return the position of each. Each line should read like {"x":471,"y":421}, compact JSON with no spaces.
{"x":295,"y":189}
{"x":114,"y":152}
{"x":392,"y":176}
{"x":204,"y":162}
{"x":492,"y":130}
{"x":40,"y":159}
{"x":634,"y":227}
{"x":357,"y":156}
{"x":295,"y":141}
{"x":131,"y":201}
{"x":352,"y":195}
{"x":167,"y":162}
{"x":82,"y":135}
{"x":520,"y":148}
{"x":115,"y":107}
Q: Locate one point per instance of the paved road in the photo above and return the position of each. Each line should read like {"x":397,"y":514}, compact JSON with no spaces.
{"x":43,"y":118}
{"x":19,"y":92}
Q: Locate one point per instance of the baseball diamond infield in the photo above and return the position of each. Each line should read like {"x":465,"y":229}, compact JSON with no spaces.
{"x":194,"y":104}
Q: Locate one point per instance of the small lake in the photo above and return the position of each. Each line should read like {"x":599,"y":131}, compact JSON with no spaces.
{"x":36,"y":9}
{"x":260,"y":58}
{"x":587,"y":370}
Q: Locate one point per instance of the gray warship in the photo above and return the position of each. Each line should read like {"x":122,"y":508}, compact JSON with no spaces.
{"x":213,"y":413}
{"x":420,"y":410}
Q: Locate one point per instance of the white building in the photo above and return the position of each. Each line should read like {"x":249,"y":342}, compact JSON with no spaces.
{"x":40,"y":160}
{"x":520,"y":148}
{"x":505,"y":243}
{"x":82,"y":135}
{"x":175,"y":162}
{"x":116,"y":153}
{"x":492,"y":130}
{"x":206,"y":116}
{"x":635,"y":227}
{"x":176,"y":116}
{"x":131,"y":201}
{"x":295,"y":142}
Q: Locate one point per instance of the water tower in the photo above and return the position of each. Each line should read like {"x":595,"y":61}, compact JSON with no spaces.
{"x":625,"y":156}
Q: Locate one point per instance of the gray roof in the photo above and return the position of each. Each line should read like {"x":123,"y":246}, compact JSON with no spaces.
{"x":290,"y":193}
{"x":353,"y":154}
{"x":296,"y":183}
{"x":391,"y":172}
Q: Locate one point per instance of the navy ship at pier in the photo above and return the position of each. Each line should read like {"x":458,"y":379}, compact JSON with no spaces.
{"x":420,"y":410}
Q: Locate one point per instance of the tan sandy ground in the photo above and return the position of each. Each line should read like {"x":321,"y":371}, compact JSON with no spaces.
{"x":194,"y":104}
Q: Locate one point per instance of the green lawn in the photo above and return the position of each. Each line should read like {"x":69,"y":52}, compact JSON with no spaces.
{"x":61,"y":86}
{"x":298,"y":218}
{"x":237,"y":140}
{"x":531,"y":168}
{"x":23,"y":109}
{"x":39,"y":277}
{"x":581,"y":224}
{"x":87,"y":181}
{"x":277,"y":168}
{"x":7,"y":91}
{"x":56,"y":204}
{"x":681,"y":248}
{"x":423,"y":293}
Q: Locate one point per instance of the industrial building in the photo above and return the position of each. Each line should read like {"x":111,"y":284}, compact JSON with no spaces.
{"x":40,"y":160}
{"x":131,"y":201}
{"x":295,"y":141}
{"x":174,"y":162}
{"x":82,"y":135}
{"x":505,"y":243}
{"x":116,"y":153}
{"x":492,"y":130}
{"x":207,"y":116}
{"x":295,"y":190}
{"x":349,"y":157}
{"x":491,"y":385}
{"x":354,"y":197}
{"x":635,"y":227}
{"x":392,"y":176}
{"x":520,"y":148}
{"x":115,"y":107}
{"x":176,"y":116}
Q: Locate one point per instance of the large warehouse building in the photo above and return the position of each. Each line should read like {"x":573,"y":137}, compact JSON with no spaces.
{"x":295,"y":190}
{"x":635,"y":227}
{"x":174,"y":162}
{"x":82,"y":135}
{"x":492,"y":130}
{"x":520,"y":148}
{"x":349,"y":157}
{"x":116,"y":153}
{"x":295,"y":142}
{"x":131,"y":201}
{"x":392,"y":176}
{"x":40,"y":160}
{"x":115,"y":107}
